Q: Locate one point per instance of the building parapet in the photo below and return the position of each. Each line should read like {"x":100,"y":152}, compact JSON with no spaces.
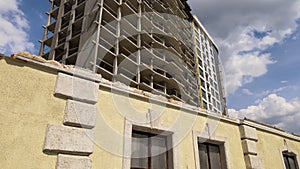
{"x":122,"y":88}
{"x":269,"y":129}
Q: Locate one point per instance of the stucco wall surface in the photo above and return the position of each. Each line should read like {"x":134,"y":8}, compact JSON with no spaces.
{"x":270,"y":147}
{"x":110,"y":128}
{"x":27,"y":106}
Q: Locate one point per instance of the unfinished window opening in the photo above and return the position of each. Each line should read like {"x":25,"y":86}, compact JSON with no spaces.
{"x":129,"y":73}
{"x":111,"y":7}
{"x":146,"y":7}
{"x":65,"y":21}
{"x":159,"y":53}
{"x":56,"y":3}
{"x":54,"y":14}
{"x":133,"y":4}
{"x":105,"y":69}
{"x":196,"y":100}
{"x":203,"y":94}
{"x":106,"y":66}
{"x":73,"y":46}
{"x":59,"y":52}
{"x":108,"y":17}
{"x":159,"y":7}
{"x":151,"y":151}
{"x":111,"y":26}
{"x":159,"y":71}
{"x":145,"y":82}
{"x":76,"y":28}
{"x":68,"y":6}
{"x":159,"y":39}
{"x":80,"y":1}
{"x":79,"y":12}
{"x":106,"y":45}
{"x":46,"y":49}
{"x":128,"y":48}
{"x":71,"y":60}
{"x":49,"y":34}
{"x":51,"y":26}
{"x":174,"y":93}
{"x":127,"y":9}
{"x":168,"y":75}
{"x":290,"y":160}
{"x":205,"y":105}
{"x":159,"y":87}
{"x":62,"y":36}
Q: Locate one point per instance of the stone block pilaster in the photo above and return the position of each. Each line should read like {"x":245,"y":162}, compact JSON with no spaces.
{"x":73,"y":140}
{"x":249,"y":140}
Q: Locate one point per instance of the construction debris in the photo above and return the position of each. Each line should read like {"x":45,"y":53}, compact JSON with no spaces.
{"x":122,"y":86}
{"x":1,"y":55}
{"x":40,"y":59}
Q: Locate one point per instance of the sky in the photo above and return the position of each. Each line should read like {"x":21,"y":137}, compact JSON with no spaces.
{"x":259,"y":42}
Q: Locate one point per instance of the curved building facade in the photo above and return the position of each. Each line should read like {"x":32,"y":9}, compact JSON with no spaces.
{"x":149,"y":44}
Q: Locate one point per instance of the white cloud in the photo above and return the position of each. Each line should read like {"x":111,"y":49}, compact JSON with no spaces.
{"x":14,"y":27}
{"x":242,"y":69}
{"x":232,"y":23}
{"x":274,"y":110}
{"x":247,"y":92}
{"x":273,"y":91}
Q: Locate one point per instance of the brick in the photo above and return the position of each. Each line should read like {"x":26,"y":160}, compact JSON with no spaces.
{"x":70,"y":140}
{"x":75,"y":88}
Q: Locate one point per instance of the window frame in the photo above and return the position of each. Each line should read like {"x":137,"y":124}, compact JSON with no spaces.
{"x":289,"y":154}
{"x":154,"y":128}
{"x":167,"y":140}
{"x":221,"y":153}
{"x":222,"y":142}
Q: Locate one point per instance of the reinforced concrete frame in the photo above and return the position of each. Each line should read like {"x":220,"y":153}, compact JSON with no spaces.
{"x":146,"y":44}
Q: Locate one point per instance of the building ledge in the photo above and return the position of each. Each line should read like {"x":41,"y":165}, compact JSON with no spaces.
{"x":54,"y":65}
{"x":269,"y":129}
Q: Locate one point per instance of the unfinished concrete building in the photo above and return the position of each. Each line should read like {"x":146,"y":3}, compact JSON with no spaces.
{"x":210,"y":71}
{"x":147,"y":44}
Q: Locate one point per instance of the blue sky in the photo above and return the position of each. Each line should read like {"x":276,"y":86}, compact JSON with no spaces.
{"x":35,"y":13}
{"x":259,"y":43}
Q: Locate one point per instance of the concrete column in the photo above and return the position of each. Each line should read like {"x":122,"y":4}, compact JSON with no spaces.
{"x":57,"y":30}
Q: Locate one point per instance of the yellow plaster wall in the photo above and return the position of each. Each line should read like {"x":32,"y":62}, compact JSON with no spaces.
{"x":232,"y":135}
{"x":186,"y":152}
{"x":111,"y":125}
{"x":108,"y":133}
{"x":27,"y":105}
{"x":270,"y":147}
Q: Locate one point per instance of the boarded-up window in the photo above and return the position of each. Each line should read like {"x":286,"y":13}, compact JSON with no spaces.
{"x":150,"y":151}
{"x":290,"y":160}
{"x":210,"y":156}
